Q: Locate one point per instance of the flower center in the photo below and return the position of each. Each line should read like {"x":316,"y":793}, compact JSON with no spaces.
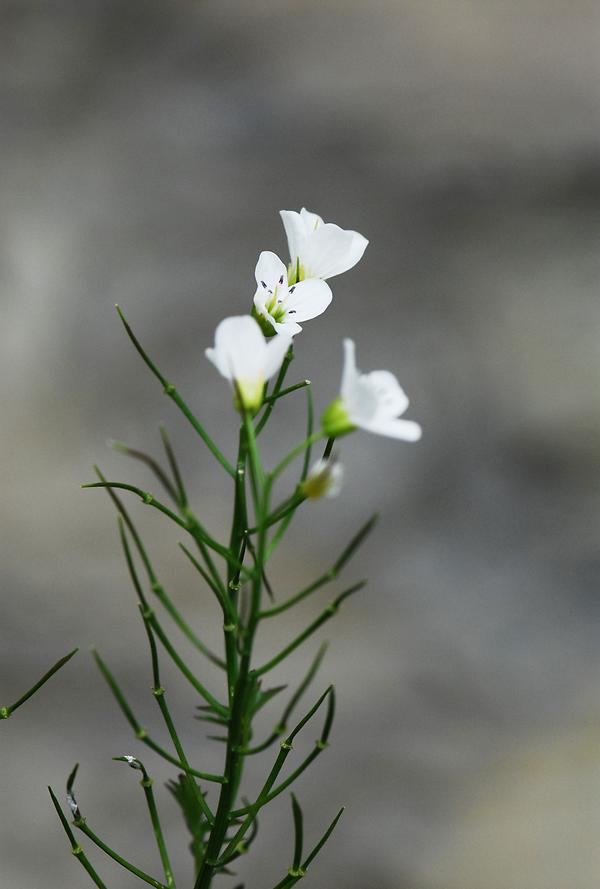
{"x":296,"y":272}
{"x":275,"y":306}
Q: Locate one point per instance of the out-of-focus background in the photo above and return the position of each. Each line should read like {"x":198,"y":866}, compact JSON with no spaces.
{"x":146,"y":150}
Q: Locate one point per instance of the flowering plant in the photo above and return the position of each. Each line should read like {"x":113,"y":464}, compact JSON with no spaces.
{"x":253,"y":353}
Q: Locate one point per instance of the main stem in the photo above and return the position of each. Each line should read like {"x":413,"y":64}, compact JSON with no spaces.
{"x":240,"y":681}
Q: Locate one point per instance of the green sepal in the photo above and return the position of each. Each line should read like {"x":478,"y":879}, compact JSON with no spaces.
{"x":264,"y":323}
{"x":335,"y":420}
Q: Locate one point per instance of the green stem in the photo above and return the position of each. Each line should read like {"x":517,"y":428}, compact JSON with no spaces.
{"x":236,"y":542}
{"x":159,"y":693}
{"x":295,"y":874}
{"x":289,"y":505}
{"x":156,"y":827}
{"x":172,"y":392}
{"x":127,"y":865}
{"x":287,"y":518}
{"x":181,"y":493}
{"x":75,"y":847}
{"x":229,"y":612}
{"x":145,"y":496}
{"x":150,"y":462}
{"x":139,"y":731}
{"x":160,"y":593}
{"x":298,"y":832}
{"x":185,"y":670}
{"x":239,"y":726}
{"x":328,"y":450}
{"x":270,"y":400}
{"x":190,"y":523}
{"x":329,"y":575}
{"x":295,"y":452}
{"x":275,"y":397}
{"x":186,"y":629}
{"x":253,"y":810}
{"x":320,"y":745}
{"x":146,"y":784}
{"x":326,"y":615}
{"x":281,"y":726}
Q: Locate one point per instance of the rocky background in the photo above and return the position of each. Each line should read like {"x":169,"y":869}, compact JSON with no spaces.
{"x":146,"y":149}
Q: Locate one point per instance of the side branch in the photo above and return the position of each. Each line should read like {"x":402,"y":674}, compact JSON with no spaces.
{"x":328,"y":613}
{"x":172,"y":392}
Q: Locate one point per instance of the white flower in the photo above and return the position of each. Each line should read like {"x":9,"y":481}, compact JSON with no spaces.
{"x":319,"y":249}
{"x":371,"y":401}
{"x":324,"y":479}
{"x":277,"y":306}
{"x":242,"y":356}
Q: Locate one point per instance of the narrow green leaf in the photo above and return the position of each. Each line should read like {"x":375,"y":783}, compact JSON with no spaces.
{"x":281,"y":726}
{"x":298,"y":832}
{"x":252,"y":811}
{"x":355,"y":543}
{"x":5,"y":712}
{"x":172,"y":392}
{"x":328,"y":576}
{"x":326,"y":615}
{"x":150,"y":462}
{"x":182,"y":496}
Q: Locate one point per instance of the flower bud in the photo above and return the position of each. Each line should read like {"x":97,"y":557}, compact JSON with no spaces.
{"x":324,"y":480}
{"x":336,"y":420}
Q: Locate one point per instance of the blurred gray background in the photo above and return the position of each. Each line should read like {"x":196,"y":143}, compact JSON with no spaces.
{"x":146,"y":150}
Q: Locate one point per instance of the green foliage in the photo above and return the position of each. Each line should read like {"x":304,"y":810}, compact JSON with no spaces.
{"x":221,"y":823}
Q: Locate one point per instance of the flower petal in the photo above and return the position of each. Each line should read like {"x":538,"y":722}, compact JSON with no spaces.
{"x":336,"y":480}
{"x":270,"y":271}
{"x":406,"y":430}
{"x":350,"y":373}
{"x":310,"y":221}
{"x":275,"y":353}
{"x":287,"y":327}
{"x":307,"y":299}
{"x":391,"y":398}
{"x":260,"y":300}
{"x":239,"y":351}
{"x":295,"y":232}
{"x":331,"y":250}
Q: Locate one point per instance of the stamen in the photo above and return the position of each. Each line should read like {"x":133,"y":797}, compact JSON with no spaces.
{"x":263,"y":284}
{"x":292,"y":288}
{"x":281,"y":280}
